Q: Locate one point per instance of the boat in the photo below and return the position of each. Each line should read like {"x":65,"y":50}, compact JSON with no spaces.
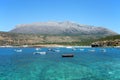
{"x":41,"y":53}
{"x":67,"y":55}
{"x":103,"y":50}
{"x":69,"y":47}
{"x":18,"y":50}
{"x":53,"y":50}
{"x":37,"y":49}
{"x":49,"y":49}
{"x":56,"y":50}
{"x":92,"y":50}
{"x":73,"y":49}
{"x":81,"y":49}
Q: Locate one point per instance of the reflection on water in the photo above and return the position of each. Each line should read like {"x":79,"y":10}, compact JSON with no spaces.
{"x":87,"y":64}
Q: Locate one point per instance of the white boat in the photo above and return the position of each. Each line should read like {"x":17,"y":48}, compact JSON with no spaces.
{"x":18,"y":50}
{"x":92,"y":50}
{"x":37,"y":49}
{"x":81,"y":49}
{"x":41,"y":53}
{"x":69,"y":47}
{"x":103,"y":50}
{"x":50,"y":49}
{"x":57,"y":50}
{"x":73,"y":49}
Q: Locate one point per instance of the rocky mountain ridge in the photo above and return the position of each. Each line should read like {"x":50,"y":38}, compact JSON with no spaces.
{"x":61,"y":28}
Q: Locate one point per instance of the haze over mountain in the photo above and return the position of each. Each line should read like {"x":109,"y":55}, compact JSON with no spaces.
{"x":64,"y":28}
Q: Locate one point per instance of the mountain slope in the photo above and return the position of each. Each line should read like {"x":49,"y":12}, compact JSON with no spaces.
{"x":14,"y":39}
{"x":61,"y":28}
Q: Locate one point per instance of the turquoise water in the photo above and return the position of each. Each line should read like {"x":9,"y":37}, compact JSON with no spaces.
{"x":87,"y":64}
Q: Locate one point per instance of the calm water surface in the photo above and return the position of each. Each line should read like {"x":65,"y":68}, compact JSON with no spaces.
{"x":87,"y":64}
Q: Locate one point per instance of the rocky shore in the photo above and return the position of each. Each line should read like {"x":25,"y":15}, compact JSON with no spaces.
{"x":105,"y":43}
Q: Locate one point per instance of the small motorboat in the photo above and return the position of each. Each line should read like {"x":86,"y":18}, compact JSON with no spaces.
{"x":37,"y":49}
{"x":69,"y":47}
{"x":81,"y":49}
{"x":54,"y":50}
{"x":18,"y":50}
{"x":92,"y":50}
{"x":73,"y":49}
{"x":41,"y":53}
{"x":50,"y":49}
{"x":57,"y":50}
{"x":103,"y":50}
{"x":67,"y":55}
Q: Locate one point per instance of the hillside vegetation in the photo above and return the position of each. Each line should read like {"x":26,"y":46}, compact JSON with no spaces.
{"x":110,"y":37}
{"x":36,"y":39}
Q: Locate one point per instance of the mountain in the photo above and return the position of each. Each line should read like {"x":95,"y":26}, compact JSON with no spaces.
{"x":65,"y":33}
{"x":61,"y":28}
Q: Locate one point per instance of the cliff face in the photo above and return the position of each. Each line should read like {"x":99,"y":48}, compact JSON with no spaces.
{"x":61,"y":28}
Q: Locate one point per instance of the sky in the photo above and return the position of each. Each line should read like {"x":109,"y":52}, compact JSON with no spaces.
{"x":105,"y":13}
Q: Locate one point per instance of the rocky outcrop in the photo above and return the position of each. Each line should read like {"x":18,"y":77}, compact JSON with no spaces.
{"x":105,"y":43}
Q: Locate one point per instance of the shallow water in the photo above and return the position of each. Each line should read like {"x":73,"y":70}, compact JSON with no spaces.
{"x":87,"y":64}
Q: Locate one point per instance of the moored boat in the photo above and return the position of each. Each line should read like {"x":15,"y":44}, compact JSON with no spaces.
{"x":41,"y":53}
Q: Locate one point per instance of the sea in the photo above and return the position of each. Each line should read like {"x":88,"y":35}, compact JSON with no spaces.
{"x":48,"y":63}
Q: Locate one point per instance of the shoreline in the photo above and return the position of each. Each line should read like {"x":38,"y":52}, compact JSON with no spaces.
{"x":46,"y":45}
{"x":55,"y":45}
